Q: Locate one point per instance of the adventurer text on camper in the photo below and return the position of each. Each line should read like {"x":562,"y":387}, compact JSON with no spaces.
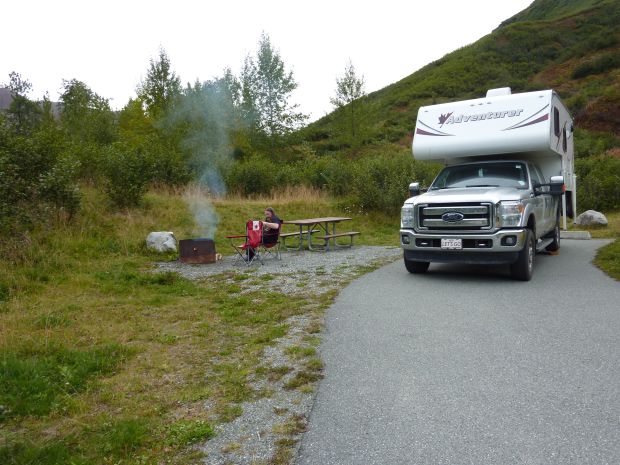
{"x":451,"y":119}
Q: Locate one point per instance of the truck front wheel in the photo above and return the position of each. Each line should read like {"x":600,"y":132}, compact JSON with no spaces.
{"x":416,"y":267}
{"x":522,"y":269}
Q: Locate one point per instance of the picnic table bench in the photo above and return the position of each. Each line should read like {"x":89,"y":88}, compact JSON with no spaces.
{"x":309,"y":226}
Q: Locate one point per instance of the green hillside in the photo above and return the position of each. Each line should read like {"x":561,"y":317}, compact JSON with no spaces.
{"x":570,"y":46}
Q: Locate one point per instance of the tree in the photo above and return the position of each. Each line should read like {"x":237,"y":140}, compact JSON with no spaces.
{"x":86,"y":116}
{"x":349,"y":91}
{"x":133,"y":124}
{"x":247,"y":98}
{"x":23,"y":114}
{"x":160,"y":88}
{"x":266,"y":89}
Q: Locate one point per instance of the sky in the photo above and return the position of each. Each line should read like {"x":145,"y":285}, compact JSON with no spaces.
{"x":108,"y":44}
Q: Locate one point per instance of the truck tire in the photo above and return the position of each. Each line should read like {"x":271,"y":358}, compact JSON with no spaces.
{"x":524,"y":266}
{"x":555,"y":235}
{"x":416,"y":267}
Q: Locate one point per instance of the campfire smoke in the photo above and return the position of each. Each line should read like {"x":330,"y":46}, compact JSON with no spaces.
{"x":199,"y":203}
{"x":206,"y":111}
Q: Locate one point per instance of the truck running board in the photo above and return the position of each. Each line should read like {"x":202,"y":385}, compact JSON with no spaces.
{"x":542,"y":243}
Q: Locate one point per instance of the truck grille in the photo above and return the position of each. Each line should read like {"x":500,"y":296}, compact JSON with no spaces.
{"x":455,"y":217}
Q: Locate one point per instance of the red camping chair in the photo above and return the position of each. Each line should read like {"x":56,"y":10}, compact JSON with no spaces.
{"x":253,"y":238}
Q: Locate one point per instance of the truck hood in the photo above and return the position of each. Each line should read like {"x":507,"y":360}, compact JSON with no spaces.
{"x":470,"y":194}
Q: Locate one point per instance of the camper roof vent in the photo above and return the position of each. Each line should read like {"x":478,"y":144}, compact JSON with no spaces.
{"x":498,"y":92}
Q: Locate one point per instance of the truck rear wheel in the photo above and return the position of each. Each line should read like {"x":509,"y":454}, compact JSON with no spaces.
{"x":524,"y":266}
{"x":416,"y":267}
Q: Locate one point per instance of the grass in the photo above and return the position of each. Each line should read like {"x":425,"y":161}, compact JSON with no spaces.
{"x":607,"y":257}
{"x":102,"y":361}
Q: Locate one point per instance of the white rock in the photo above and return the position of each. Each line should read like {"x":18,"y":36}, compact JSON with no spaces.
{"x":591,"y":217}
{"x":161,"y":241}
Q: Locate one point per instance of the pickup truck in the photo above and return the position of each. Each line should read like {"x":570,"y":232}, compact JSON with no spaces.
{"x":502,"y":194}
{"x":487,"y":212}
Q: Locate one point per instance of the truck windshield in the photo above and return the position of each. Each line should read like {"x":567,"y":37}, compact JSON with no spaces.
{"x":500,"y":174}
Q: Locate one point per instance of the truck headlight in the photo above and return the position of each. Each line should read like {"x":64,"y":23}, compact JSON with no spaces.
{"x":406,"y":217}
{"x":509,"y":213}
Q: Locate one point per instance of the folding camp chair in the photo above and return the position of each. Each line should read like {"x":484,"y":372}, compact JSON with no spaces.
{"x":253,"y":238}
{"x":270,"y":243}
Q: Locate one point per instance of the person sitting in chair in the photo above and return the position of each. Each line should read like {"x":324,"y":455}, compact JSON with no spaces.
{"x":270,"y":226}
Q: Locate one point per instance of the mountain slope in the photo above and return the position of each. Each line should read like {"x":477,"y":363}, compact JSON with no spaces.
{"x":570,"y":46}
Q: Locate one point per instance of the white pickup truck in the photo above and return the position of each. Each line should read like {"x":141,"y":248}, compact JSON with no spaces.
{"x":508,"y":179}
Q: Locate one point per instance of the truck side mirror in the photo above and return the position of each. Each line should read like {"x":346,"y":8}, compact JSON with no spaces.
{"x":557,"y":186}
{"x":414,"y":189}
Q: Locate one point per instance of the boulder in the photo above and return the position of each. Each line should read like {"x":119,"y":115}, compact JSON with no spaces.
{"x":591,"y":218}
{"x":161,"y":241}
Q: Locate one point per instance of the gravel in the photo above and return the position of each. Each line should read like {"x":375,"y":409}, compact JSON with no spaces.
{"x":270,"y":428}
{"x":299,"y":271}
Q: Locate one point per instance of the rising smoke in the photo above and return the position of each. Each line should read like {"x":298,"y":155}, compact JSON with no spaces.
{"x":203,"y":119}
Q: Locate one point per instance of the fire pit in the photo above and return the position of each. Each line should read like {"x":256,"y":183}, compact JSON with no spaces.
{"x":197,"y":251}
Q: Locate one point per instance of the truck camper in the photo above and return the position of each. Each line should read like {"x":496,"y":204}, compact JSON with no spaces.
{"x":508,"y":180}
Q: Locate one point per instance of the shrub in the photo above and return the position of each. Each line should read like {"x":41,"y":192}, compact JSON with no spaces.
{"x":588,"y":143}
{"x":339,"y":174}
{"x":90,"y":158}
{"x":599,"y":183}
{"x":127,"y":174}
{"x":256,"y":175}
{"x":599,"y":65}
{"x":380,"y":182}
{"x":36,"y":179}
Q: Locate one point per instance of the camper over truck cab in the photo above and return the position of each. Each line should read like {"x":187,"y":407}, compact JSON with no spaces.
{"x":508,"y":180}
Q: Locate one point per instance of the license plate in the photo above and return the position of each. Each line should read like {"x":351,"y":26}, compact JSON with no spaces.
{"x":452,"y":244}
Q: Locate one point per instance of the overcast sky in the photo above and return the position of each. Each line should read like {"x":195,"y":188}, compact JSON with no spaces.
{"x":108,"y":44}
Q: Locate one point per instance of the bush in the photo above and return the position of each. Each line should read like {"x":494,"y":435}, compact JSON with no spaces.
{"x":127,"y":174}
{"x":588,"y":143}
{"x":381,"y":182}
{"x":166,"y":165}
{"x":599,"y":65}
{"x":598,"y":185}
{"x":36,"y":179}
{"x":256,"y":175}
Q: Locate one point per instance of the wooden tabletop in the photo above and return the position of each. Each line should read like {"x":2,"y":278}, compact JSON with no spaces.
{"x":308,"y":221}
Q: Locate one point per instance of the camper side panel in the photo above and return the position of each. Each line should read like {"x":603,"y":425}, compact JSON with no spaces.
{"x":487,"y":126}
{"x":561,"y":139}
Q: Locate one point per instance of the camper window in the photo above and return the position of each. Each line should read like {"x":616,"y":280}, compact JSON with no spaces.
{"x":556,"y":122}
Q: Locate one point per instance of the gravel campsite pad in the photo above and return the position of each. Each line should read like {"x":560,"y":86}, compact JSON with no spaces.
{"x":269,"y":429}
{"x":297,"y":272}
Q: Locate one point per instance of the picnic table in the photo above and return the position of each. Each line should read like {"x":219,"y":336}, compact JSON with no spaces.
{"x":309,"y":226}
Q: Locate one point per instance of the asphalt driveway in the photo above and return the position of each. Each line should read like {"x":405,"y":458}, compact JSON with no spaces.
{"x":465,"y":366}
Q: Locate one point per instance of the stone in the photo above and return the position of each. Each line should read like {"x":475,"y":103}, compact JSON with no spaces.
{"x":591,"y":218}
{"x":161,"y":241}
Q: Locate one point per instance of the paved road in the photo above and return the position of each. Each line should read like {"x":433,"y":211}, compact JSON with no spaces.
{"x":465,"y":366}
